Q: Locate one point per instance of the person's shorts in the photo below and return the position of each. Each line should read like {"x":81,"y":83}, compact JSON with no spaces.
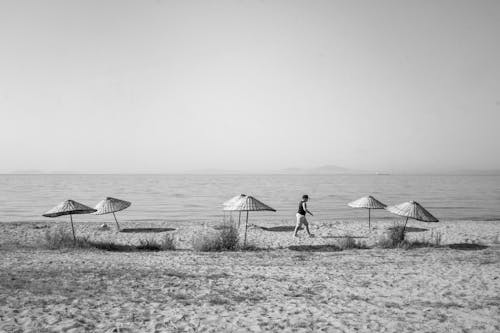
{"x":301,"y":220}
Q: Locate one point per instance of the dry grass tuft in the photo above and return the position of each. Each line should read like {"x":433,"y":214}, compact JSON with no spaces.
{"x":166,"y":244}
{"x":433,"y":241}
{"x":60,"y":238}
{"x":396,"y":238}
{"x":393,"y":238}
{"x":348,"y":242}
{"x":149,"y":244}
{"x":225,"y":239}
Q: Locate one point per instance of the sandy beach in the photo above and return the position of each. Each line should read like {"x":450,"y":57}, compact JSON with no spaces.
{"x":292,"y":285}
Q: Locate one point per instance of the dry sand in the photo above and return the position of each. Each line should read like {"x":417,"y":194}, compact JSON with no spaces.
{"x":444,"y":289}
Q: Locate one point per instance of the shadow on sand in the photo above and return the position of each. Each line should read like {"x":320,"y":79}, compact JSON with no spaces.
{"x":467,"y":246}
{"x":147,"y":230}
{"x":411,"y":229}
{"x":315,"y":248}
{"x":344,"y":236}
{"x":282,"y":228}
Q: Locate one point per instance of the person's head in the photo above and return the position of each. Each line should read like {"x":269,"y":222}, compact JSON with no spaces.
{"x":305,"y":197}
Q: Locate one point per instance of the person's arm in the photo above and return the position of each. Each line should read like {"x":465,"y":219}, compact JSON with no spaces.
{"x":304,"y":205}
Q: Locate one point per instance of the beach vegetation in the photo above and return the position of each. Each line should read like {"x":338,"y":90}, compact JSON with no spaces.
{"x":396,"y":238}
{"x":167,"y":243}
{"x":393,"y":238}
{"x":224,"y":239}
{"x":105,"y":246}
{"x":149,"y":244}
{"x":60,"y":238}
{"x":348,"y":242}
{"x":434,"y":240}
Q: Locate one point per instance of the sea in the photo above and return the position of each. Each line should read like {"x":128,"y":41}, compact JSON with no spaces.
{"x":177,"y":199}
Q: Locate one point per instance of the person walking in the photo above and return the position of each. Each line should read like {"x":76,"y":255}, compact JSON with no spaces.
{"x":301,"y":216}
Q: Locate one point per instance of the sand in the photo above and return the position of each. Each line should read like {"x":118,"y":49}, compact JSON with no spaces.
{"x":294,"y":285}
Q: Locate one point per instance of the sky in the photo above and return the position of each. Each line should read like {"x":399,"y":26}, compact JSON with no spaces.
{"x":176,"y":86}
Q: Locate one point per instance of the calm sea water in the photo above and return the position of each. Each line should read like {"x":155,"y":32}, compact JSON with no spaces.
{"x":180,"y":198}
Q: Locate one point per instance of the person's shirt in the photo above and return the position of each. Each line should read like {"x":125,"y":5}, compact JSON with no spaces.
{"x":302,"y":209}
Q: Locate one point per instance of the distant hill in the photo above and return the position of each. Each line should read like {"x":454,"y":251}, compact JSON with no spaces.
{"x":322,"y":170}
{"x":487,"y":172}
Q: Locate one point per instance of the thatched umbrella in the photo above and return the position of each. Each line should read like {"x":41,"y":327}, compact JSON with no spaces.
{"x":413,"y":210}
{"x":110,"y":206}
{"x":246,"y":203}
{"x":369,"y":203}
{"x":231,"y":202}
{"x":69,"y":207}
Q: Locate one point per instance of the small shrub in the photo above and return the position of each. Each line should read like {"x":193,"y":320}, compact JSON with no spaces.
{"x":58,"y":238}
{"x":149,"y":244}
{"x":225,"y":239}
{"x":61,"y":238}
{"x":349,"y":242}
{"x":168,"y":243}
{"x":229,"y":238}
{"x":206,"y":243}
{"x":110,"y":246}
{"x":433,"y":241}
{"x":393,"y":238}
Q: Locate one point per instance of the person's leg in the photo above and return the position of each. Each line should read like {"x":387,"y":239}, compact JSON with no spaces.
{"x":306,"y":224}
{"x":297,"y":225}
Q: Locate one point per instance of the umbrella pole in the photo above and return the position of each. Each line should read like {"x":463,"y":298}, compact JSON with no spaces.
{"x":404,"y":227}
{"x":239,"y":219}
{"x":246,"y":227}
{"x":369,"y":225}
{"x":72,"y":228}
{"x":116,"y":221}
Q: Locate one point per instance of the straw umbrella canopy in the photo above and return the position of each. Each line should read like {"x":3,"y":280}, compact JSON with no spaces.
{"x":231,"y":202}
{"x":110,"y":206}
{"x":369,"y":203}
{"x":246,"y":203}
{"x":69,"y":207}
{"x":412,"y":210}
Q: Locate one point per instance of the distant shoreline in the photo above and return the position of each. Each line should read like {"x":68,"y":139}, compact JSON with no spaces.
{"x":496,"y":173}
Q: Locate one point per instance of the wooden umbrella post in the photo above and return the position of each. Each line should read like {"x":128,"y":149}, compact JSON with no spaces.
{"x":239,"y":219}
{"x":404,"y":227}
{"x":72,"y":228}
{"x":246,"y":227}
{"x":116,"y":221}
{"x":369,"y":224}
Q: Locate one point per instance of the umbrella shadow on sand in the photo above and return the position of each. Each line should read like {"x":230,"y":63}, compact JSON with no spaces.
{"x":344,"y":236}
{"x":315,"y":248}
{"x":146,"y":230}
{"x":411,"y":229}
{"x":467,"y":246}
{"x":281,"y":228}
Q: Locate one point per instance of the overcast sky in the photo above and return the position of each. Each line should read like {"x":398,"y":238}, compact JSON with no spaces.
{"x":173,"y":86}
